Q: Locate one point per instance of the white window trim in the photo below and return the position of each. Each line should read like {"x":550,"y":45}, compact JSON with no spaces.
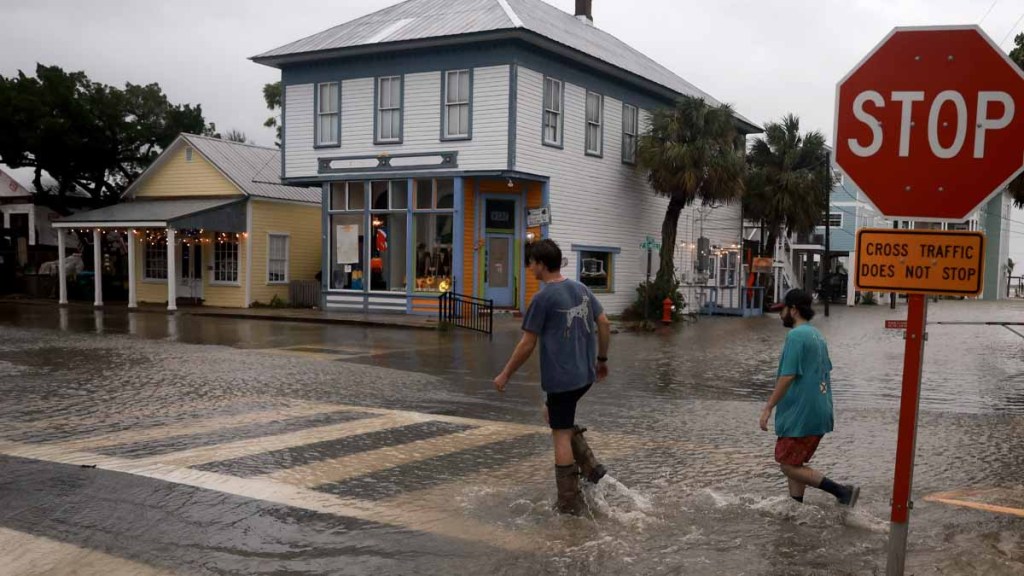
{"x":238,"y":265}
{"x":287,"y":258}
{"x":448,"y":105}
{"x":560,"y":113}
{"x":319,"y":114}
{"x":189,"y":153}
{"x":842,"y":220}
{"x":599,"y":152}
{"x":380,"y":109}
{"x":148,"y":279}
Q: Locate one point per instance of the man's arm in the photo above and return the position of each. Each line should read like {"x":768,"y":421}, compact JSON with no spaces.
{"x":781,"y":386}
{"x":521,"y":354}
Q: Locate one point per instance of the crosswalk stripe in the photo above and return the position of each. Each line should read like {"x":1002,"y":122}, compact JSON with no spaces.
{"x":340,"y":469}
{"x":253,"y":446}
{"x":203,"y":425}
{"x":438,"y":522}
{"x":28,"y":555}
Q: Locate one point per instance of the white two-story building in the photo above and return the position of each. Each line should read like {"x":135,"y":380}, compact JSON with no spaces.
{"x":437,"y":127}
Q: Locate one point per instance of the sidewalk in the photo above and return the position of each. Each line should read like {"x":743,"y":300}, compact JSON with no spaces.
{"x":271,"y":314}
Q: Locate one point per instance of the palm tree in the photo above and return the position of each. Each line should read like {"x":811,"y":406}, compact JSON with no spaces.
{"x":1016,"y":186}
{"x":690,"y":152}
{"x":786,"y":180}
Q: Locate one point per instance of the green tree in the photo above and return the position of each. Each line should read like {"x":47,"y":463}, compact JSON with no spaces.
{"x":272,"y":96}
{"x":1016,"y":186}
{"x":87,"y":136}
{"x":236,"y":136}
{"x":786,"y":180}
{"x":691,"y":152}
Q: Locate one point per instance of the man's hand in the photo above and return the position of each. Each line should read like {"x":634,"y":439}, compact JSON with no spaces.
{"x":500,"y":381}
{"x":602,"y":371}
{"x":766,"y":414}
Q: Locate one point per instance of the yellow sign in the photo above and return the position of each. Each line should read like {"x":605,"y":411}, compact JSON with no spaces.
{"x":920,"y":261}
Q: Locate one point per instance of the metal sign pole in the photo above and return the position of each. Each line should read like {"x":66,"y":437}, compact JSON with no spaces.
{"x":906,"y":444}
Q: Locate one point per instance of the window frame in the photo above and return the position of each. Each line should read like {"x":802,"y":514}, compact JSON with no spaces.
{"x":612,"y":253}
{"x":318,"y":114}
{"x":377,"y":110}
{"x":287,"y":257}
{"x":146,"y":246}
{"x":544,"y":111}
{"x":829,"y":218}
{"x":446,"y":106}
{"x":238,"y":262}
{"x":626,"y":107}
{"x":587,"y":123}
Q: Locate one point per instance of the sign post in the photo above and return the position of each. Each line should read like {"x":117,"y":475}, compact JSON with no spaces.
{"x":928,"y":125}
{"x":650,"y":244}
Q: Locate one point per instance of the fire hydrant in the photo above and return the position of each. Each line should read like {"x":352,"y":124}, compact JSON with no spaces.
{"x":666,"y":311}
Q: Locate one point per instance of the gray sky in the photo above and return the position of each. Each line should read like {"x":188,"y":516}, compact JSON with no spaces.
{"x":766,"y":57}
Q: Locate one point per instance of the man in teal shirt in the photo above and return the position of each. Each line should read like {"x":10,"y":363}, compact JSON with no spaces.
{"x":803,"y":395}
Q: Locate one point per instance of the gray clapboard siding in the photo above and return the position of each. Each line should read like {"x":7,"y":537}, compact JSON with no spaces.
{"x":488,"y":150}
{"x":601,"y":201}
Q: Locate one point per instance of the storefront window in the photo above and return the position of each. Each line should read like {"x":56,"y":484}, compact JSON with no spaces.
{"x":433,"y":239}
{"x":388,"y":252}
{"x":595,"y":270}
{"x":347,"y":252}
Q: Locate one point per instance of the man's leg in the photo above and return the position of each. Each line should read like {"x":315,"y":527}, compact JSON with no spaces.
{"x":807,"y":476}
{"x":563,"y":447}
{"x":561,"y":410}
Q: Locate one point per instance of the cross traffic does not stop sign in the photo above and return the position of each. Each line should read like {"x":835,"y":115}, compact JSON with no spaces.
{"x":931,"y":123}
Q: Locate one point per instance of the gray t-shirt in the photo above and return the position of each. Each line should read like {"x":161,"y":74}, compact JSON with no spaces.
{"x":563,"y":314}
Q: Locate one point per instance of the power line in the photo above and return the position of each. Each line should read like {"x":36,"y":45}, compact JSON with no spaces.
{"x":982,"y":21}
{"x":1012,"y":28}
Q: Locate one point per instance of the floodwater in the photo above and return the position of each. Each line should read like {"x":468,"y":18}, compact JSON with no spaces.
{"x":240,"y":447}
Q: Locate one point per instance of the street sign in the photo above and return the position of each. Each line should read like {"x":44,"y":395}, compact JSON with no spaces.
{"x":920,"y":261}
{"x":929,"y":125}
{"x":650,"y":244}
{"x":895,"y":324}
{"x":538,"y":216}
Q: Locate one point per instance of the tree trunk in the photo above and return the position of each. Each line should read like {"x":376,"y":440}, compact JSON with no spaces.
{"x":669,"y":230}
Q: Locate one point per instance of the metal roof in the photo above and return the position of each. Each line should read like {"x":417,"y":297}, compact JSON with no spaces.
{"x":157,"y":212}
{"x":11,"y":188}
{"x":254,"y":169}
{"x":428,"y":19}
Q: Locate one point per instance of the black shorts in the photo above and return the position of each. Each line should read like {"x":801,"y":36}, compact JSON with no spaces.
{"x":562,"y":408}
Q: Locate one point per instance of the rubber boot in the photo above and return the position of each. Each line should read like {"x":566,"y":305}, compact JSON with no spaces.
{"x":570,"y":499}
{"x":592,"y":470}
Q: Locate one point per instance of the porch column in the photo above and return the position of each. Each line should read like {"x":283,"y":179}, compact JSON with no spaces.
{"x":132,"y":297}
{"x":97,"y":262}
{"x":62,"y":278}
{"x":851,"y":277}
{"x":172,"y":272}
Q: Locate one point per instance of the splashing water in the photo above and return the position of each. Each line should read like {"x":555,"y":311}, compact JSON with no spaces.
{"x":617,"y":501}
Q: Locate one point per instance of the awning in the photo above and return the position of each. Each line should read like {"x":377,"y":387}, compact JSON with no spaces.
{"x":219,"y":214}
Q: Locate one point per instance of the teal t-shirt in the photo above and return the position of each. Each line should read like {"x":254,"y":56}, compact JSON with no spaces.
{"x":806,"y":409}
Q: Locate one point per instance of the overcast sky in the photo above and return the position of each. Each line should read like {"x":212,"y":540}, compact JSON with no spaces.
{"x":766,"y":57}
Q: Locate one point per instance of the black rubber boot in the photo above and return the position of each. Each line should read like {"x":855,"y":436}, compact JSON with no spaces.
{"x":570,"y":499}
{"x":592,"y":470}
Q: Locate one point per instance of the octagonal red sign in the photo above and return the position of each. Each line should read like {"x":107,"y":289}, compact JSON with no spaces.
{"x":931,"y":123}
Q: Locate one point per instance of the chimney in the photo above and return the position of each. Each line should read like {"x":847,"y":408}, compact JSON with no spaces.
{"x":584,"y":11}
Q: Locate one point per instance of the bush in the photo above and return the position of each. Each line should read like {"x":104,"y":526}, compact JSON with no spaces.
{"x":868,"y":299}
{"x":647,"y":306}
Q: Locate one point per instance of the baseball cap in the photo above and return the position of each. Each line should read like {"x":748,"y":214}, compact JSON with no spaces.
{"x":795,"y":297}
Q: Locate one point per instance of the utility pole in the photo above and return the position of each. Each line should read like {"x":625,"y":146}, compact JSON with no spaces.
{"x":826,"y":289}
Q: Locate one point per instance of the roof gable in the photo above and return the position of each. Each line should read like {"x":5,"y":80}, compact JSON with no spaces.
{"x":11,"y":188}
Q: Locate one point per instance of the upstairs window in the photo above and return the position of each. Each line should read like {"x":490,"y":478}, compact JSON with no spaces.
{"x":389,"y":109}
{"x":457,"y":104}
{"x":630,"y":129}
{"x":553,"y":98}
{"x":328,"y":119}
{"x":595,"y":121}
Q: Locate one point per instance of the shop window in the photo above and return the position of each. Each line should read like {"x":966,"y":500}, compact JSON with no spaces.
{"x":596,"y":270}
{"x":388,"y":252}
{"x":433,"y":239}
{"x":399,"y":194}
{"x":424,"y":194}
{"x":728,"y":262}
{"x":154,"y":266}
{"x":347,"y":252}
{"x":277,"y":258}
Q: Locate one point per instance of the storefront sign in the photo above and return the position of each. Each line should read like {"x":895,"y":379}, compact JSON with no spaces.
{"x":762,"y":265}
{"x":920,"y":261}
{"x":347,"y":243}
{"x":501,"y":215}
{"x":538,"y":216}
{"x":895,"y":324}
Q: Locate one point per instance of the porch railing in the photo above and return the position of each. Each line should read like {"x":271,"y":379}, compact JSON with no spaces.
{"x":467,"y":312}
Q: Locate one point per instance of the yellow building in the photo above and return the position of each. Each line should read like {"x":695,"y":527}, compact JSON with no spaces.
{"x":209,"y":223}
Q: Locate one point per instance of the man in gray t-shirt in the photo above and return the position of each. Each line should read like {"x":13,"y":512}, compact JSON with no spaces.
{"x":574,"y":334}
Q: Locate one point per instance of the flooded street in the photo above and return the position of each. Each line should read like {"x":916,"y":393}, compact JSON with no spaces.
{"x":153,"y":444}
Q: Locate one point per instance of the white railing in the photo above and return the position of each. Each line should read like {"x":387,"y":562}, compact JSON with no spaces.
{"x":785,"y":278}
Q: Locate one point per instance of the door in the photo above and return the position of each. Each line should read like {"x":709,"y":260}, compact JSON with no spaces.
{"x":498,"y":278}
{"x":190,"y":271}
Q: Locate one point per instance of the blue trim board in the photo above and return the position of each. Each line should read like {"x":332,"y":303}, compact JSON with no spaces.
{"x":458,"y":229}
{"x":325,"y":252}
{"x":477,"y":237}
{"x":513,"y":112}
{"x":284,"y":132}
{"x":444,"y":107}
{"x":410,"y":246}
{"x":545,"y":199}
{"x":583,"y":248}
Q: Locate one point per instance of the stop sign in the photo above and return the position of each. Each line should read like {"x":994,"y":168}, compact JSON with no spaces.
{"x":931,"y":123}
